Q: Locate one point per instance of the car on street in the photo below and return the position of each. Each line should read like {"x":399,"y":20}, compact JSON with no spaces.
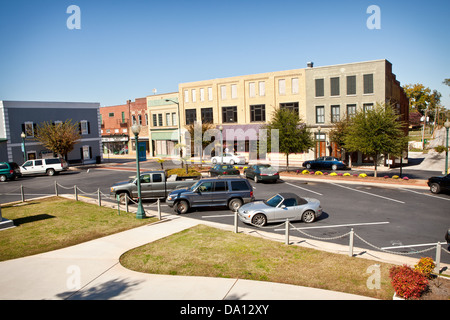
{"x":9,"y":171}
{"x":439,"y":184}
{"x":50,"y":166}
{"x":228,"y":191}
{"x":280,"y":207}
{"x":154,"y":185}
{"x":223,"y":169}
{"x":332,"y":163}
{"x":228,"y":158}
{"x":262,"y":173}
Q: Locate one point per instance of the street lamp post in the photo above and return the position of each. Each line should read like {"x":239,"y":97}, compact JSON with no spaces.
{"x":178,"y":118}
{"x":221,"y":143}
{"x":318,"y":156}
{"x":23,"y":136}
{"x":447,"y":126}
{"x":140,"y":213}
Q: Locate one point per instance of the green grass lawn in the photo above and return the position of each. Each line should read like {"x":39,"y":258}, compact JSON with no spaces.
{"x":206,"y":251}
{"x":54,"y":223}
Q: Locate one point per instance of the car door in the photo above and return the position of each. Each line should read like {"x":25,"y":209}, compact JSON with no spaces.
{"x":202,"y":194}
{"x":445,"y":184}
{"x":145,"y":186}
{"x":27,"y":167}
{"x":157,"y":186}
{"x":288,"y":209}
{"x":219,"y":193}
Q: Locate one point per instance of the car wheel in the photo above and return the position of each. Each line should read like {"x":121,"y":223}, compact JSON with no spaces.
{"x":259,"y":220}
{"x":2,"y":178}
{"x":235,"y":204}
{"x":308,"y":216}
{"x":435,"y":188}
{"x":334,"y":167}
{"x":232,"y":162}
{"x":256,"y":178}
{"x":50,"y":172}
{"x":124,"y":198}
{"x":181,"y":207}
{"x":308,"y":166}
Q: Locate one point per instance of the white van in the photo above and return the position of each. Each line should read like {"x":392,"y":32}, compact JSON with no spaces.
{"x":49,"y":167}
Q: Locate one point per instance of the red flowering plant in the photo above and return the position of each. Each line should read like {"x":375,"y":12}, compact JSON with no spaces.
{"x":407,"y":282}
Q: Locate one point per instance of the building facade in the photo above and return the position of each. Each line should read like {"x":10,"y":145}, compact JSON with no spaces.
{"x":17,"y":117}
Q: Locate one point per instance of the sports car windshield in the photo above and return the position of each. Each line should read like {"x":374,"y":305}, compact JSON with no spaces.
{"x":274,"y":201}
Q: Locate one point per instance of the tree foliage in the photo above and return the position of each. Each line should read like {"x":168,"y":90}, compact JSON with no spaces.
{"x":422,"y":97}
{"x":60,"y":137}
{"x":376,"y":132}
{"x":294,"y":136}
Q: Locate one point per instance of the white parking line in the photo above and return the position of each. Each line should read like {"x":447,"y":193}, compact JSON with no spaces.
{"x":371,"y":194}
{"x":425,"y":194}
{"x":219,"y":216}
{"x":339,"y":225}
{"x":303,"y":188}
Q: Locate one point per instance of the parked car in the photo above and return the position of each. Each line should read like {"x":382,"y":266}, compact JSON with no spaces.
{"x":9,"y":171}
{"x":223,"y":169}
{"x":325,"y":163}
{"x":154,"y":185}
{"x":229,"y":159}
{"x":280,"y":207}
{"x":262,"y":172}
{"x":439,"y":184}
{"x":49,"y":166}
{"x":212,"y":192}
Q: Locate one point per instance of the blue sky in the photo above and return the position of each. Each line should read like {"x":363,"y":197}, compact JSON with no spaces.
{"x":124,"y":49}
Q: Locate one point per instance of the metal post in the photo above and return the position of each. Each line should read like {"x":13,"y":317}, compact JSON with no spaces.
{"x":286,"y":236}
{"x":235,"y":221}
{"x":126,"y":202}
{"x":350,"y":251}
{"x":99,"y":197}
{"x":159,"y":209}
{"x":118,"y":204}
{"x":438,"y":258}
{"x":22,"y":193}
{"x":56,"y":188}
{"x":75,"y":190}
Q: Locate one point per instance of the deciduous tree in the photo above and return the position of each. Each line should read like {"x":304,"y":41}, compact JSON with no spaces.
{"x":58,"y":137}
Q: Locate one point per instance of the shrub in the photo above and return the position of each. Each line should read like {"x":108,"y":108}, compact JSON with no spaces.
{"x":340,"y":174}
{"x":325,"y":173}
{"x":182,"y":172}
{"x":407,"y":282}
{"x":305,"y":172}
{"x":311,"y":172}
{"x":347,"y":174}
{"x":425,"y":266}
{"x":386,"y":177}
{"x":362,"y":175}
{"x":405,"y":178}
{"x":440,"y":149}
{"x":333,"y":174}
{"x":318,"y":173}
{"x":395,"y":177}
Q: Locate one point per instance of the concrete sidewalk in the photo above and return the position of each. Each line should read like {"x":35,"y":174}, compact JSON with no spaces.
{"x":92,"y":270}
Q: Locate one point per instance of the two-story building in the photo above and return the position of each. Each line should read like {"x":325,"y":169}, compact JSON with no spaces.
{"x":17,"y":117}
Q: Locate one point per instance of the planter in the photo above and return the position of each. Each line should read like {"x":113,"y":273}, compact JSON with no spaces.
{"x":396,"y":297}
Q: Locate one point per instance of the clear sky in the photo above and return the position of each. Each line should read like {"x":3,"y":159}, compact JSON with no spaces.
{"x":125,"y":49}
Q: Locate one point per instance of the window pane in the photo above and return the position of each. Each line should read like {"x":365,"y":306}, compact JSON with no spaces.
{"x":251,"y":89}
{"x":335,"y":113}
{"x":334,"y":86}
{"x":320,"y":114}
{"x":262,"y":88}
{"x":319,"y":88}
{"x":351,"y":85}
{"x":233,"y":91}
{"x":294,"y":85}
{"x":368,"y":83}
{"x":282,"y":86}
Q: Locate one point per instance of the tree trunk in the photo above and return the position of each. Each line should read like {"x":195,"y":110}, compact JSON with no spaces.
{"x":375,"y":162}
{"x":287,"y":161}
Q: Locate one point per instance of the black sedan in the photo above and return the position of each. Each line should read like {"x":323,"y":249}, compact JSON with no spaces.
{"x":262,"y":172}
{"x":325,"y":163}
{"x":438,"y":184}
{"x":223,"y":169}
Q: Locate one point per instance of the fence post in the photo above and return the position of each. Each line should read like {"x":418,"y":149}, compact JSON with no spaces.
{"x":286,"y":240}
{"x":118,"y":203}
{"x":76,"y":194}
{"x":126,"y":202}
{"x":22,"y":193}
{"x":350,"y":251}
{"x":438,"y":258}
{"x":159,"y":209}
{"x":56,"y":188}
{"x":99,"y":198}
{"x":235,"y":221}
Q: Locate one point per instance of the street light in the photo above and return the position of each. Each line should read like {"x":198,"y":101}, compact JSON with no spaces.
{"x":319,"y":141}
{"x":23,"y":136}
{"x":140,"y":213}
{"x":178,"y":120}
{"x":447,"y":126}
{"x":221,"y":143}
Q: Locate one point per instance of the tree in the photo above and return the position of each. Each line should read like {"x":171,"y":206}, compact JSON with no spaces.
{"x":294,"y":135}
{"x":422,"y":98}
{"x":446,"y":81}
{"x":338,"y":132}
{"x":376,"y":132}
{"x":60,"y":137}
{"x":197,"y":133}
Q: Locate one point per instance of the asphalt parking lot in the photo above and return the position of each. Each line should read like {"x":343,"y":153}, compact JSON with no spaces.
{"x":384,"y":217}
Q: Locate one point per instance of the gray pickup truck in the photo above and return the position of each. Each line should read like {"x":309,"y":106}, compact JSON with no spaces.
{"x":154,"y":185}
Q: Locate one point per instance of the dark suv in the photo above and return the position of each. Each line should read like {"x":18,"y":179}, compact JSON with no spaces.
{"x":9,"y":170}
{"x":212,"y":192}
{"x":439,"y":184}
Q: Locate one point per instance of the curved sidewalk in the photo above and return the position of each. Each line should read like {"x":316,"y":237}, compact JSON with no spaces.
{"x":91,"y":270}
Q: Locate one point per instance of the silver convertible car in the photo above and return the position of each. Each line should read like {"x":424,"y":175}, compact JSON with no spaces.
{"x":280,"y":207}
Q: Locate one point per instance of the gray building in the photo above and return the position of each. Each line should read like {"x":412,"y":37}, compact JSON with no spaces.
{"x":24,"y":116}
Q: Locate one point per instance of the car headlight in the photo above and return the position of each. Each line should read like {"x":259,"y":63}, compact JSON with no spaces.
{"x":169,"y":198}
